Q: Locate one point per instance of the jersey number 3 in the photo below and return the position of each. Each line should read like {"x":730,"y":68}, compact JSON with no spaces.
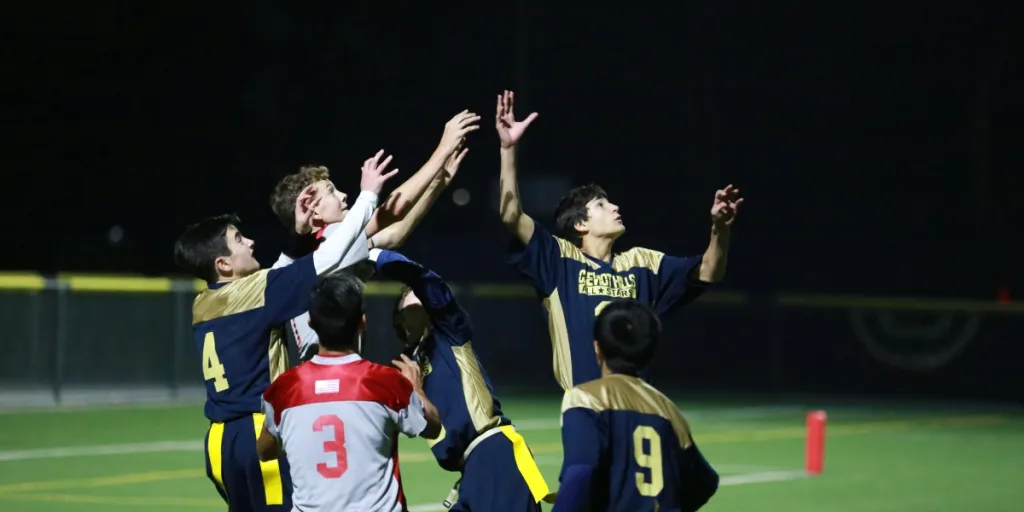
{"x":212,"y":369}
{"x":649,"y":459}
{"x":335,"y":445}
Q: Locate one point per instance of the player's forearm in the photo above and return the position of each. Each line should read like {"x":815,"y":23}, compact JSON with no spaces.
{"x":432,"y":416}
{"x":393,"y":236}
{"x":267,"y":446}
{"x":510,"y":206}
{"x":713,"y":263}
{"x":349,"y":231}
{"x":399,"y":202}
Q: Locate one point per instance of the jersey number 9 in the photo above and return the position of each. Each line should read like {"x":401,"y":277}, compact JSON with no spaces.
{"x":212,"y":369}
{"x":649,"y":459}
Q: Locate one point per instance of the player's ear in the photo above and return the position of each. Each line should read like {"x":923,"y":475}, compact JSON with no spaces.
{"x":223,"y":265}
{"x":362,"y":323}
{"x":581,"y":226}
{"x":598,"y":354}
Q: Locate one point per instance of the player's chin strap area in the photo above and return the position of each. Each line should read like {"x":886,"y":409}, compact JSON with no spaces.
{"x":453,"y":495}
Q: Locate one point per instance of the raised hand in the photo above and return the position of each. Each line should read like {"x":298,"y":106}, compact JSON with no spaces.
{"x":456,"y":129}
{"x":305,"y":207}
{"x":451,"y":165}
{"x":373,"y":173}
{"x":410,"y":370}
{"x":510,"y":130}
{"x":726,"y":206}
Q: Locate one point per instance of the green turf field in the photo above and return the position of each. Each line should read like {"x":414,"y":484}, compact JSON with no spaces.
{"x":878,"y":459}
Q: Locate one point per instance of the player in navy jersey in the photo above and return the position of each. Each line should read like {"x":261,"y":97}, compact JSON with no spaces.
{"x":498,"y":470}
{"x":626,"y":445}
{"x":577,"y":274}
{"x":236,"y":323}
{"x":413,"y":198}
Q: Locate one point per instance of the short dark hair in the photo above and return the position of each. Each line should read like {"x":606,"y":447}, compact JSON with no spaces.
{"x":396,"y":314}
{"x":572,"y":208}
{"x":336,"y":310}
{"x":627,"y":333}
{"x":202,"y":243}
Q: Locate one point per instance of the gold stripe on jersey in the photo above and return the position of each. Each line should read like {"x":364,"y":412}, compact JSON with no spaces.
{"x":630,"y":394}
{"x":235,"y":297}
{"x":478,"y":398}
{"x":569,"y":251}
{"x":638,"y":257}
{"x":558,"y":332}
{"x":277,"y":353}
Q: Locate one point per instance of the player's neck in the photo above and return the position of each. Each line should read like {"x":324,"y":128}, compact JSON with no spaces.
{"x":599,"y":248}
{"x":605,"y":371}
{"x":334,"y":353}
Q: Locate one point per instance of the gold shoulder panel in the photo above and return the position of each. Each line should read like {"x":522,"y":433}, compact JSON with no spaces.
{"x":579,"y":398}
{"x":236,"y":297}
{"x":630,"y":394}
{"x":569,"y":251}
{"x":638,"y":257}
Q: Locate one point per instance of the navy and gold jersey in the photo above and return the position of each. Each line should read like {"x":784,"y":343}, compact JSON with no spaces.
{"x":627,"y":447}
{"x":238,"y":328}
{"x":575,"y":287}
{"x":453,"y":378}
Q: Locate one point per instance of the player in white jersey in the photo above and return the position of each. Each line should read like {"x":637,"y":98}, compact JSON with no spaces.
{"x":337,"y":417}
{"x":389,"y":227}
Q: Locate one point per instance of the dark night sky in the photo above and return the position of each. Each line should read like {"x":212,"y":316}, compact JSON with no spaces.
{"x":875,"y":146}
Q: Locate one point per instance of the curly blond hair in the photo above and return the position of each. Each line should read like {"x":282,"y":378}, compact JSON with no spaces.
{"x":282,"y":200}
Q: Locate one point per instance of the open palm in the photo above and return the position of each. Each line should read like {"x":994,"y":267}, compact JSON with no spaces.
{"x":510,"y":130}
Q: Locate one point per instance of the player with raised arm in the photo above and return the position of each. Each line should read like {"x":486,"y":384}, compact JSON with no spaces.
{"x":626,"y":445}
{"x":385,"y":230}
{"x":337,"y":417}
{"x":498,"y":470}
{"x":576,"y":272}
{"x":236,"y":324}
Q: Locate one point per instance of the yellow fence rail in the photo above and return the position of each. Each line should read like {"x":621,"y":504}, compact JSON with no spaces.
{"x":91,"y":283}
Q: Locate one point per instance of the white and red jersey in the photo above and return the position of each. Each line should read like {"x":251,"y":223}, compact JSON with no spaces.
{"x":306,"y":339}
{"x":338,"y":420}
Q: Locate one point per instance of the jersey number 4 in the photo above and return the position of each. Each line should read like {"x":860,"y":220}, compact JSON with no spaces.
{"x":335,"y":445}
{"x":649,"y":459}
{"x":212,"y":369}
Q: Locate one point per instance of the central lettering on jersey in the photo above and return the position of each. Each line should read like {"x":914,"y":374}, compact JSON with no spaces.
{"x":324,"y":387}
{"x":606,"y":284}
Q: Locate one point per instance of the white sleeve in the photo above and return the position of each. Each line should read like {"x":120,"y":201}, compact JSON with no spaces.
{"x":268,"y":420}
{"x":411,"y":420}
{"x":305,"y":337}
{"x":348,"y":235}
{"x":282,"y":261}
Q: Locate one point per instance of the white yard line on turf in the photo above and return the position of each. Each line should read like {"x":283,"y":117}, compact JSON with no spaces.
{"x":749,"y":478}
{"x":529,"y":424}
{"x":108,"y":449}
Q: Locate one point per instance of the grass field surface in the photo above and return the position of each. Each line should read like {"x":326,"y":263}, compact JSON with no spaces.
{"x":877,"y":458}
